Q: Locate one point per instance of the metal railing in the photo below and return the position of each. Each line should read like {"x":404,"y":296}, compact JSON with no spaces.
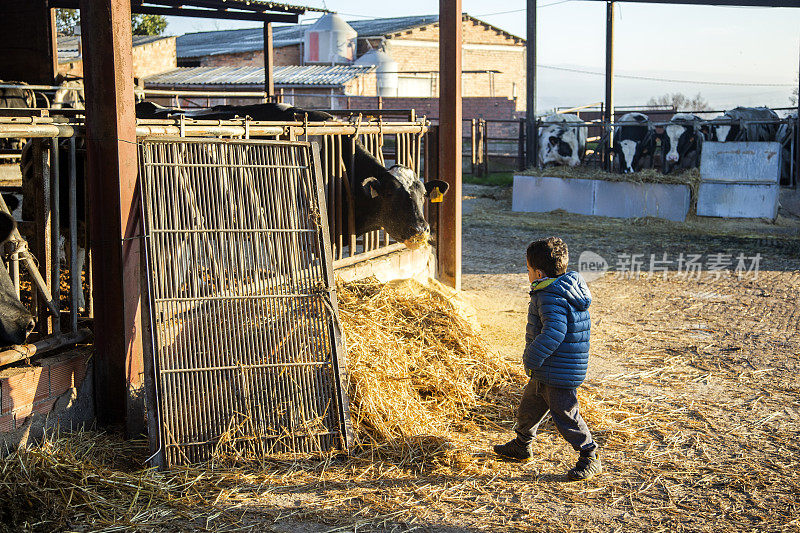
{"x":598,"y":151}
{"x":494,"y":145}
{"x":390,"y":142}
{"x":52,"y":156}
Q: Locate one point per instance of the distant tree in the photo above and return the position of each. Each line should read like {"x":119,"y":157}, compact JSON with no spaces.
{"x":67,"y":19}
{"x":793,"y":97}
{"x":148,"y":24}
{"x":680,"y":101}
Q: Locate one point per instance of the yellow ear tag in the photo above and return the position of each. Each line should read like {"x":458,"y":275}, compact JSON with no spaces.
{"x":436,"y":195}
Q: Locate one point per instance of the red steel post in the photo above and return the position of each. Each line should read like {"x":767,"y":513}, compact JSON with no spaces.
{"x":269,"y":66}
{"x":449,"y":244}
{"x":114,"y":211}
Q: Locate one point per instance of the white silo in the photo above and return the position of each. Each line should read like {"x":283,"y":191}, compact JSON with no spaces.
{"x":329,"y":40}
{"x":385,"y":71}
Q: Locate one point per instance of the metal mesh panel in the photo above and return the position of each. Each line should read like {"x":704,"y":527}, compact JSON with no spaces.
{"x":407,"y":151}
{"x":246,"y":345}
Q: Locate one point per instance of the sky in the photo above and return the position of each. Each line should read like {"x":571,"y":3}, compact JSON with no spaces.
{"x":686,"y":43}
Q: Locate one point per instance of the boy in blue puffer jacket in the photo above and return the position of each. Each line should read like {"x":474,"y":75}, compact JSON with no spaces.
{"x":556,"y":356}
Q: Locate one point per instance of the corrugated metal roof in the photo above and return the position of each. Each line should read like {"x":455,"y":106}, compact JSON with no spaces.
{"x":247,"y":40}
{"x":68,"y":45}
{"x":387,"y":26}
{"x":318,"y":75}
{"x":209,"y":43}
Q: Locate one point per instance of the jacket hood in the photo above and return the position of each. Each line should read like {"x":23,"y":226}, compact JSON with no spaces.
{"x":572,"y":287}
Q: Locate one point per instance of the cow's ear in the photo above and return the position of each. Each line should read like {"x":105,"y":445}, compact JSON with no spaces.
{"x":372,"y":187}
{"x":7,"y":226}
{"x":432,"y":186}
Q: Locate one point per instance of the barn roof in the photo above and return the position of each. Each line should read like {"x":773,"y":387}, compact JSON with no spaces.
{"x":311,"y":75}
{"x":68,"y":49}
{"x":209,"y":43}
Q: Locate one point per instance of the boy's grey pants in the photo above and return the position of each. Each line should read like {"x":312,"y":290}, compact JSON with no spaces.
{"x":538,"y":399}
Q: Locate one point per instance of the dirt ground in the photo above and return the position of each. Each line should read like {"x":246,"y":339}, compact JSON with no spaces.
{"x":692,"y":391}
{"x":692,"y":394}
{"x":717,"y":357}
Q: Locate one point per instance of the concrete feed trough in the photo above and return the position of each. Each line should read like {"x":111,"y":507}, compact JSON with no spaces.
{"x":602,"y":198}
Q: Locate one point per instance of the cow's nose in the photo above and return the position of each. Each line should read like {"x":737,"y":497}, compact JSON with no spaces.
{"x":422,"y":227}
{"x":31,"y":325}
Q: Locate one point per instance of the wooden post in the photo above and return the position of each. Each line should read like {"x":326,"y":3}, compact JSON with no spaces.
{"x":473,"y":145}
{"x":269,"y":63}
{"x":521,"y":145}
{"x":114,"y":214}
{"x":797,"y":134}
{"x":531,"y":149}
{"x":485,"y":139}
{"x":28,"y":42}
{"x":450,"y":141}
{"x":608,"y":117}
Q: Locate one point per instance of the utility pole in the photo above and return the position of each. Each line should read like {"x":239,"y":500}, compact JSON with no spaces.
{"x":531,"y":133}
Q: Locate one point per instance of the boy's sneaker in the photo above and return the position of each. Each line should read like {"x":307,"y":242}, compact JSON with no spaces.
{"x":586,"y":468}
{"x":514,"y":449}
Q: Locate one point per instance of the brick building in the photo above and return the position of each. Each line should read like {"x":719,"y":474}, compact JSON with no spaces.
{"x":493,"y":60}
{"x":151,"y":54}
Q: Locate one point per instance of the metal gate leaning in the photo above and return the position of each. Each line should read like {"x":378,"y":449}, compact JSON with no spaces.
{"x":247,"y":354}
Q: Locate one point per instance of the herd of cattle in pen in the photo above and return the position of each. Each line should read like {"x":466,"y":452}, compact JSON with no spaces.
{"x":637,"y":139}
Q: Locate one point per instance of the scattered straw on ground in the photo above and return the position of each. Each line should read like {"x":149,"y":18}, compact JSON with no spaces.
{"x":428,"y":398}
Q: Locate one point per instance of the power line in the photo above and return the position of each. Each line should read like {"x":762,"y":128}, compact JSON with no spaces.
{"x":649,"y":78}
{"x":523,"y":9}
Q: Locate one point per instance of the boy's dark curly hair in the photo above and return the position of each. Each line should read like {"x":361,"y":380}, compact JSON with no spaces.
{"x":549,"y":255}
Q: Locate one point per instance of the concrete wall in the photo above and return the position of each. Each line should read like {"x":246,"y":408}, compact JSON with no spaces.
{"x":402,"y":264}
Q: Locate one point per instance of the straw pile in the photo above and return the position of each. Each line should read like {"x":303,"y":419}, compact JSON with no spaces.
{"x":417,"y":367}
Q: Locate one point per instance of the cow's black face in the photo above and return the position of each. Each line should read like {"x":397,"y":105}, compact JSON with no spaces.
{"x":16,"y":322}
{"x":400,"y":196}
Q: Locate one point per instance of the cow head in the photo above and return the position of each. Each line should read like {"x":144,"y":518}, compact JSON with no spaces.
{"x":397,"y":197}
{"x":631,"y":151}
{"x":559,"y":145}
{"x":16,"y":322}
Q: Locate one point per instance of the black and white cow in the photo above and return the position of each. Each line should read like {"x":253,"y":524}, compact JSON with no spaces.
{"x":787,"y":134}
{"x":634,"y":142}
{"x":743,"y":124}
{"x":561,"y":144}
{"x":681,"y":142}
{"x":390,"y":198}
{"x":16,"y":322}
{"x":15,"y":99}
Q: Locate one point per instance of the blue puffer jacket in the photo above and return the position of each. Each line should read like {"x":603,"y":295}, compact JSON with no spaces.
{"x":557,"y":336}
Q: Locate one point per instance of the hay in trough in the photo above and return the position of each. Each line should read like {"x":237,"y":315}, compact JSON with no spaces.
{"x":689,"y":177}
